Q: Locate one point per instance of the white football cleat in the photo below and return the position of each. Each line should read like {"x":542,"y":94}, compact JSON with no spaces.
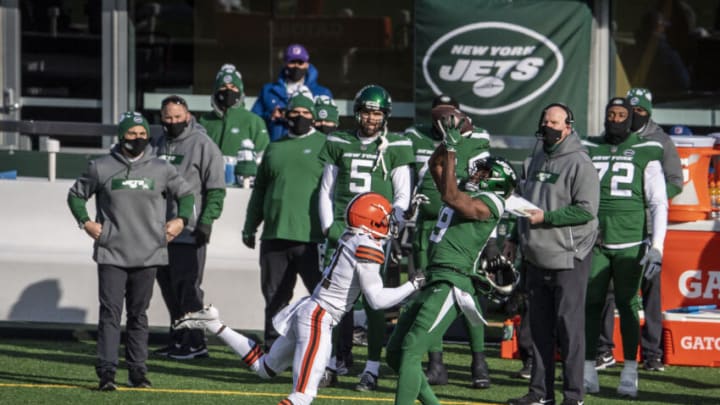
{"x":628,"y":382}
{"x":590,"y":378}
{"x":198,"y":319}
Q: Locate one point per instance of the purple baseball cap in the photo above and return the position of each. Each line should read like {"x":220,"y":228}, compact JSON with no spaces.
{"x":296,"y":52}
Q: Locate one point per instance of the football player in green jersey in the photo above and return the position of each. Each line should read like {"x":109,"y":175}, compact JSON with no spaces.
{"x":631,"y":178}
{"x":464,"y":225}
{"x":476,"y":145}
{"x":367,"y":159}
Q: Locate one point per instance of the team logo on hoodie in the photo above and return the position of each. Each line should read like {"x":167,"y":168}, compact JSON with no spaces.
{"x":546,"y":177}
{"x":133,"y":184}
{"x":173,"y":159}
{"x":506,"y":66}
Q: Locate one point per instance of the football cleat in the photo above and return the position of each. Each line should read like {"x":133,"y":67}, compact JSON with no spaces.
{"x":197,"y":319}
{"x":628,"y":382}
{"x":368,"y":382}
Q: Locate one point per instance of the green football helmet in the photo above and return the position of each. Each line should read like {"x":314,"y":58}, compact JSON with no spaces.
{"x":372,"y":98}
{"x":501,"y":178}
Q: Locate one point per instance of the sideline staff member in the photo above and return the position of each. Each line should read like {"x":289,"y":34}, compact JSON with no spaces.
{"x":556,"y":241}
{"x":131,"y":238}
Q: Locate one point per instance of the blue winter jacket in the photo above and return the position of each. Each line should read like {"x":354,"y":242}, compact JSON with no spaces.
{"x":275,"y":94}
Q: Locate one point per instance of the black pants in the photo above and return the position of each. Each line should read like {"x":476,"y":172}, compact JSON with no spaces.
{"x":179,"y":284}
{"x":557,"y":315}
{"x":135,"y":287}
{"x":605,"y":340}
{"x":651,"y":336}
{"x":281,"y":261}
{"x":524,"y":336}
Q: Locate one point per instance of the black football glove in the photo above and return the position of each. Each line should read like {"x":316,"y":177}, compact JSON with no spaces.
{"x":202,"y":233}
{"x":248,"y":239}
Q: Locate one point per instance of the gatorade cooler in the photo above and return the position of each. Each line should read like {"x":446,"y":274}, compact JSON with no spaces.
{"x":693,"y":203}
{"x":692,"y":339}
{"x":691,"y":265}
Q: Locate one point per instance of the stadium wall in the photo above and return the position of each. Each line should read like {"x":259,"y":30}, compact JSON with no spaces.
{"x":48,"y":274}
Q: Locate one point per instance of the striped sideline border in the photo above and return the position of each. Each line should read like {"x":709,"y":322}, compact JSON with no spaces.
{"x":229,"y":393}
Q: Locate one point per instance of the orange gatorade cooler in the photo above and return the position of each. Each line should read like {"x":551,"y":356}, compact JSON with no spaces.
{"x":691,"y":265}
{"x":693,"y":203}
{"x":692,"y":339}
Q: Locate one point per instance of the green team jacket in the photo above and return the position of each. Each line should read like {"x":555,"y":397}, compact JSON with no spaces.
{"x":285,"y":196}
{"x":237,"y":130}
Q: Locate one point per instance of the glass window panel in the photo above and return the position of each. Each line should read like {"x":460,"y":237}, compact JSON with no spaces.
{"x":671,"y":47}
{"x":180,"y":45}
{"x":61,"y":62}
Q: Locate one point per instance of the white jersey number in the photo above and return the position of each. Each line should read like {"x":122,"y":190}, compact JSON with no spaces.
{"x":361,"y":180}
{"x":622,"y":173}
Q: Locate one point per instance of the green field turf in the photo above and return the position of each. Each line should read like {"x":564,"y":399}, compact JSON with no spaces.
{"x":35,"y":371}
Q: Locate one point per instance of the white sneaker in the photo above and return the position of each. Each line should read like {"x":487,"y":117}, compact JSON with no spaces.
{"x":590,"y":378}
{"x":198,"y":319}
{"x":628,"y":382}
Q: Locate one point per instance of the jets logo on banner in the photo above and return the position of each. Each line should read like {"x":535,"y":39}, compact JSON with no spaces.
{"x":505,"y":65}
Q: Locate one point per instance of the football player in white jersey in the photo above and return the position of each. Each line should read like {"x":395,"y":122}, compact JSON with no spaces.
{"x":306,"y":326}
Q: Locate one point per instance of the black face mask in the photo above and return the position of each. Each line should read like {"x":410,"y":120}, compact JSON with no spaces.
{"x":226,"y":98}
{"x":299,"y":125}
{"x":294,"y":74}
{"x":550,"y":136}
{"x":326,"y":129}
{"x":174,"y":130}
{"x":134,"y":147}
{"x":639,"y":121}
{"x":617,"y":132}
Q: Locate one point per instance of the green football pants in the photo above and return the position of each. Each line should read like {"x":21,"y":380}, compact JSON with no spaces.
{"x":622,"y":266}
{"x":422,"y":323}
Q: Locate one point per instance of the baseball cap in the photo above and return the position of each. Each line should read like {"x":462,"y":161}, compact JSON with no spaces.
{"x":680,"y":130}
{"x":296,"y":52}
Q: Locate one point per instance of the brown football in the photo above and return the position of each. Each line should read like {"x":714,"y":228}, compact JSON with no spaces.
{"x":441,"y":112}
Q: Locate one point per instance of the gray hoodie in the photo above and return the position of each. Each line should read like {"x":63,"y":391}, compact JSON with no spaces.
{"x":200,"y":162}
{"x":130,"y":200}
{"x":565,"y":177}
{"x":671,"y":159}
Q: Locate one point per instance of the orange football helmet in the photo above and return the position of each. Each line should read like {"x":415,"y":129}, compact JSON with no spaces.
{"x":371,"y":213}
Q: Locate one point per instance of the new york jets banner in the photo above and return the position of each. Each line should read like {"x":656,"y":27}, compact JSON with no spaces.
{"x":503,"y":61}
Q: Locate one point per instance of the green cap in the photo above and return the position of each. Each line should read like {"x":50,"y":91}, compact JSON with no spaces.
{"x":326,"y":110}
{"x":131,"y":119}
{"x":640,"y":97}
{"x":301,"y":100}
{"x":229,"y":74}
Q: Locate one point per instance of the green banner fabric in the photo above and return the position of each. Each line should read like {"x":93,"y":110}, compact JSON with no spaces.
{"x":503,"y":61}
